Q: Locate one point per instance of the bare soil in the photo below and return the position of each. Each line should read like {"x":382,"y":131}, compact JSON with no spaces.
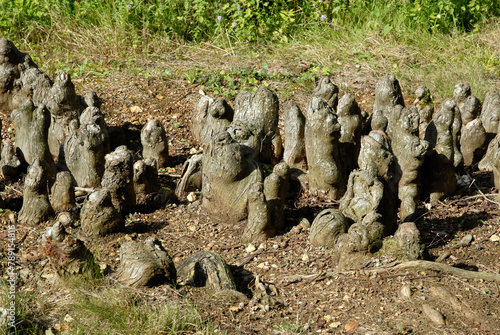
{"x":304,"y":292}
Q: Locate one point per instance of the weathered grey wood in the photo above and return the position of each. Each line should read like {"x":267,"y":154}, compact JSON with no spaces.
{"x":276,"y":187}
{"x":322,"y":134}
{"x":468,"y":104}
{"x":191,"y":179}
{"x":13,"y":64}
{"x":85,"y":150}
{"x":439,"y":168}
{"x":146,"y":177}
{"x":67,"y":254}
{"x":328,"y":225}
{"x":199,"y":115}
{"x":473,"y":141}
{"x":294,"y":124}
{"x":260,"y":112}
{"x":351,"y":127}
{"x":410,"y":152}
{"x":64,"y":106}
{"x":145,"y":264}
{"x":227,"y":177}
{"x":490,"y":113}
{"x":206,"y":269}
{"x":32,"y":126}
{"x":218,"y":118}
{"x":10,"y":162}
{"x":328,"y":91}
{"x":259,"y":226}
{"x":408,"y":237}
{"x":63,"y":192}
{"x":155,"y":143}
{"x":425,"y":105}
{"x":98,"y":216}
{"x":36,"y":205}
{"x":387,"y":94}
{"x":118,"y":178}
{"x":365,"y":196}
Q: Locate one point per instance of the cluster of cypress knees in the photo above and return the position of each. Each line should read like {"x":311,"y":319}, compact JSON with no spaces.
{"x":377,"y":165}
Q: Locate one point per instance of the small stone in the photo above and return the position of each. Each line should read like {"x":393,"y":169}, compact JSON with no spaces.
{"x":193,"y":151}
{"x":304,"y":223}
{"x":351,"y":325}
{"x":433,"y":314}
{"x":305,"y":257}
{"x":250,"y":248}
{"x":136,"y":109}
{"x":328,"y":318}
{"x":191,"y":197}
{"x":406,"y":292}
{"x":234,"y":309}
{"x":494,"y":238}
{"x":335,"y":324}
{"x":465,"y":241}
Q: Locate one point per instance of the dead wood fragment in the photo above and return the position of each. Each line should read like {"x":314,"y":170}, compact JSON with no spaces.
{"x":145,"y":264}
{"x":208,"y":269}
{"x":444,"y":268}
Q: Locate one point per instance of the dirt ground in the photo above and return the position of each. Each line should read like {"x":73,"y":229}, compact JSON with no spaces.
{"x":305,"y":294}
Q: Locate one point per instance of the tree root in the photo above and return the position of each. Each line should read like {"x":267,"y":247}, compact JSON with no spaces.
{"x":444,"y":268}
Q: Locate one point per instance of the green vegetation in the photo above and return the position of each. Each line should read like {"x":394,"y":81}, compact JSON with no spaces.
{"x":90,"y":306}
{"x":225,"y":47}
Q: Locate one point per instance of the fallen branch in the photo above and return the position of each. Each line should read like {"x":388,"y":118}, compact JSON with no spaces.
{"x":444,"y":268}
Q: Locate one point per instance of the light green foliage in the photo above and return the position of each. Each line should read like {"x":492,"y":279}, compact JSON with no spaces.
{"x":244,"y":20}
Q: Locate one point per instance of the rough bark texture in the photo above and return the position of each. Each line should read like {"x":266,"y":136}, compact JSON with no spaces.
{"x":32,"y":126}
{"x":260,"y":112}
{"x":351,"y":127}
{"x":473,"y":141}
{"x":218,"y":119}
{"x":492,"y":155}
{"x":12,"y":65}
{"x":423,"y":101}
{"x":410,"y":152}
{"x":275,"y":190}
{"x":98,"y":215}
{"x":145,"y":177}
{"x":118,"y":178}
{"x":322,"y":134}
{"x":439,"y":169}
{"x":63,"y":192}
{"x":191,"y":176}
{"x":490,"y":114}
{"x":154,"y":143}
{"x":295,"y":149}
{"x":200,"y":113}
{"x":375,"y":154}
{"x":227,"y":177}
{"x":259,"y":226}
{"x":64,"y":106}
{"x":10,"y":162}
{"x":328,"y":91}
{"x":206,"y":269}
{"x":387,"y":94}
{"x":67,"y":254}
{"x":468,"y":104}
{"x":408,"y":237}
{"x":328,"y":225}
{"x":366,"y":195}
{"x":85,"y":148}
{"x":145,"y":264}
{"x":36,"y":205}
{"x":491,"y":161}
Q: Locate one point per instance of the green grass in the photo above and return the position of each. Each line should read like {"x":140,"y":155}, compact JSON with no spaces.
{"x":90,"y":306}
